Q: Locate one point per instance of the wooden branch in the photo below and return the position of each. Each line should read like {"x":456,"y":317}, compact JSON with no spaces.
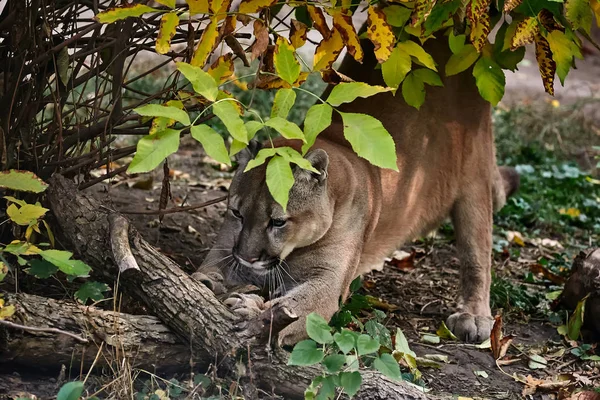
{"x":143,"y":340}
{"x":189,"y":308}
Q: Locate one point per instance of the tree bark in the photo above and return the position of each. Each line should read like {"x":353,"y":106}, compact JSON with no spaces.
{"x":141,"y":339}
{"x":188,"y":307}
{"x":584,"y":281}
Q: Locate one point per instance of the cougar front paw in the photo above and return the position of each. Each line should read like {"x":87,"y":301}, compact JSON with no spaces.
{"x":245,"y":305}
{"x":470,"y":328}
{"x":212,"y":280}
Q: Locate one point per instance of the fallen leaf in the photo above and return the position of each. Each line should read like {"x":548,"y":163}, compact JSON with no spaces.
{"x":508,"y":361}
{"x":537,"y":362}
{"x":482,"y":374}
{"x":437,"y":357}
{"x":430,"y":339}
{"x":585,"y":395}
{"x":403,"y":261}
{"x":515,"y":237}
{"x":499,"y":343}
{"x":445,"y":333}
{"x":546,"y":273}
{"x":144,"y":184}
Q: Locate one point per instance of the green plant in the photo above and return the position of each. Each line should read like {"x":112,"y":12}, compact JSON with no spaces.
{"x":39,"y":259}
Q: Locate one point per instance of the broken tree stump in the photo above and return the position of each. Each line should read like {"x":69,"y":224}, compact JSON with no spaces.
{"x":585,"y":280}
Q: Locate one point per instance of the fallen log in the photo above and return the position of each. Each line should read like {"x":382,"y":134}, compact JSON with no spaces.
{"x":584,"y":281}
{"x":65,"y":333}
{"x":186,"y":306}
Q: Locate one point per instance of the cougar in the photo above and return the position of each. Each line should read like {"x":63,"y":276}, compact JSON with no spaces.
{"x":345,"y":221}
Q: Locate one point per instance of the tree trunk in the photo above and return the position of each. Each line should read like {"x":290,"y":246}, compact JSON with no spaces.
{"x":100,"y":236}
{"x":585,"y":280}
{"x":141,"y":339}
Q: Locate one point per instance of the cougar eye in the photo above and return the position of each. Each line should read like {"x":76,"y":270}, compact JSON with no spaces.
{"x":277,"y":222}
{"x":236,"y":213}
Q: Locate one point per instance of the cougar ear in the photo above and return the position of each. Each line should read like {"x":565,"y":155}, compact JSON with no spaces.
{"x":248,"y":153}
{"x":320,"y":161}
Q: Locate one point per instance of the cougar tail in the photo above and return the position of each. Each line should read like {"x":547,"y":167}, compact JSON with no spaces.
{"x":506,"y":183}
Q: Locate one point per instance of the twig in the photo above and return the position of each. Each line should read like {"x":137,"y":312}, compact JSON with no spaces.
{"x":119,"y":243}
{"x":176,"y":209}
{"x":36,"y":329}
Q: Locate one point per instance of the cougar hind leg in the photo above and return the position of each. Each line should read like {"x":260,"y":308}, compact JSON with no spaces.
{"x":472,"y":220}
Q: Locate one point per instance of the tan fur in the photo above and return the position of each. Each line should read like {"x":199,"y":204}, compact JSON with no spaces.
{"x":345,"y":222}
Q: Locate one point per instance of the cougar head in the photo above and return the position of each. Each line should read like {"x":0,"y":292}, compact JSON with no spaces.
{"x":264,"y":233}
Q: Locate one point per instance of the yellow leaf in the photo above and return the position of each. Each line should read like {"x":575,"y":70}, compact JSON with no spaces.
{"x":525,"y":33}
{"x":318,"y":19}
{"x":595,"y":4}
{"x":198,"y":6}
{"x":168,"y":3}
{"x":168,"y":26}
{"x":254,"y":6}
{"x":343,"y":23}
{"x":207,"y":43}
{"x":2,"y":300}
{"x":3,"y":272}
{"x":298,"y":32}
{"x":546,"y":63}
{"x":220,"y":7}
{"x":328,"y":51}
{"x":421,"y":11}
{"x":510,"y":5}
{"x":119,"y":13}
{"x":477,"y":12}
{"x":25,"y":215}
{"x":380,"y":33}
{"x":571,"y":212}
{"x":222,"y":69}
{"x":7,"y":312}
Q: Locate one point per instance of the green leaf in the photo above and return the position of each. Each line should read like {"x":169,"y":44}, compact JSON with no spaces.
{"x":213,"y":143}
{"x":347,"y":92}
{"x":334,"y":362}
{"x":25,"y":215}
{"x":318,"y":118}
{"x":294,"y":157}
{"x":379,"y":332}
{"x":305,"y":353}
{"x":153,"y":149}
{"x":283,"y":103}
{"x":286,"y":65}
{"x":118,"y":13}
{"x":91,"y":290}
{"x":441,"y":12}
{"x":62,"y":260}
{"x":287,"y":129}
{"x":510,"y":59}
{"x":62,"y":65}
{"x":413,"y":91}
{"x":370,"y":140}
{"x":401,"y":344}
{"x":41,"y":269}
{"x":428,"y":76}
{"x":280,"y":180}
{"x":416,"y":51}
{"x":445,"y":333}
{"x":260,"y":158}
{"x":365,"y":344}
{"x":457,"y":42}
{"x":397,"y":15}
{"x":490,"y":80}
{"x":327,"y":390}
{"x":388,"y":366}
{"x":22,"y":181}
{"x":396,"y":67}
{"x":303,"y":16}
{"x":156,"y":110}
{"x":345,"y":340}
{"x":576,"y":320}
{"x":579,"y":14}
{"x":561,"y":45}
{"x":317,"y":329}
{"x":252,"y":127}
{"x":202,"y":82}
{"x":227,"y":113}
{"x":351,"y":382}
{"x":70,"y":391}
{"x":462,"y":60}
